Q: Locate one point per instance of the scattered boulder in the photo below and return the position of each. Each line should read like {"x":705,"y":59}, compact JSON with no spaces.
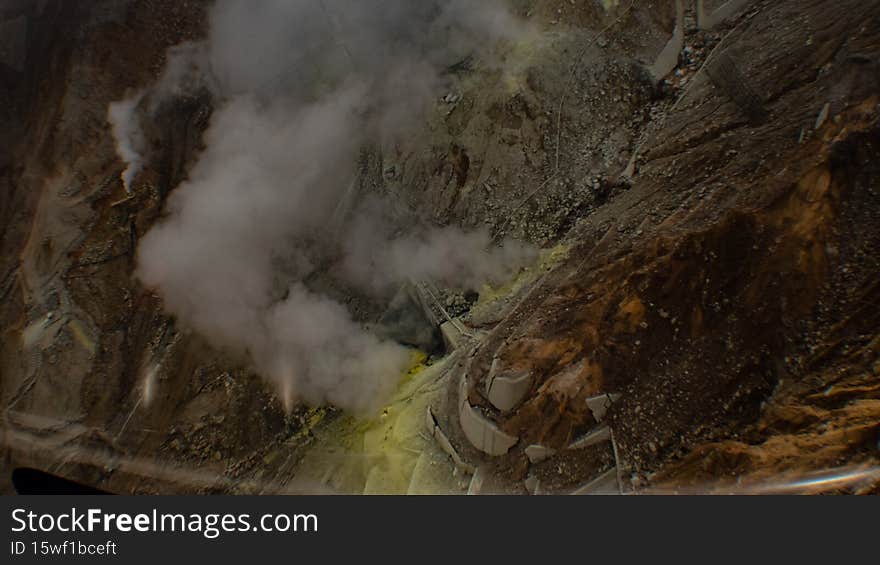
{"x":537,"y":453}
{"x":600,"y":404}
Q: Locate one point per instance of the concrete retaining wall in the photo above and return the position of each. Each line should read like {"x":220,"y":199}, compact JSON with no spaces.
{"x":606,"y":483}
{"x":597,"y":435}
{"x":443,"y":441}
{"x":506,"y":391}
{"x":668,"y":58}
{"x":707,"y":18}
{"x":479,"y":430}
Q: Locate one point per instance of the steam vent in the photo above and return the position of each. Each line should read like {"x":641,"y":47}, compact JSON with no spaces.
{"x":508,"y":246}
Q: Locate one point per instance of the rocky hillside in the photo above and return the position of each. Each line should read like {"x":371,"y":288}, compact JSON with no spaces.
{"x":703,"y":316}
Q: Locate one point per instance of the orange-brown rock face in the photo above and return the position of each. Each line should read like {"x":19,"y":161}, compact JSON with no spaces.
{"x":730,"y":295}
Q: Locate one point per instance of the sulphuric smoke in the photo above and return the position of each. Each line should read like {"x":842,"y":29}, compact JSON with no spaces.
{"x":300,"y":88}
{"x":128,"y":136}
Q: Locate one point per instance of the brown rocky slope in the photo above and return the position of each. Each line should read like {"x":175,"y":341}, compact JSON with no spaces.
{"x":726,"y":288}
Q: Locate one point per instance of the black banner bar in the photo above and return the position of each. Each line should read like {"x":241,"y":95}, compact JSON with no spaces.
{"x":98,"y":529}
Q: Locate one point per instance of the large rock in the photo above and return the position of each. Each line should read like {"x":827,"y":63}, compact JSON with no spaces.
{"x":600,"y":404}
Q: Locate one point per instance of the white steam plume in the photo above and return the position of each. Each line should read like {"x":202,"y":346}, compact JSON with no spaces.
{"x":300,"y":88}
{"x":184,"y":73}
{"x":375,"y":260}
{"x":128,"y":136}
